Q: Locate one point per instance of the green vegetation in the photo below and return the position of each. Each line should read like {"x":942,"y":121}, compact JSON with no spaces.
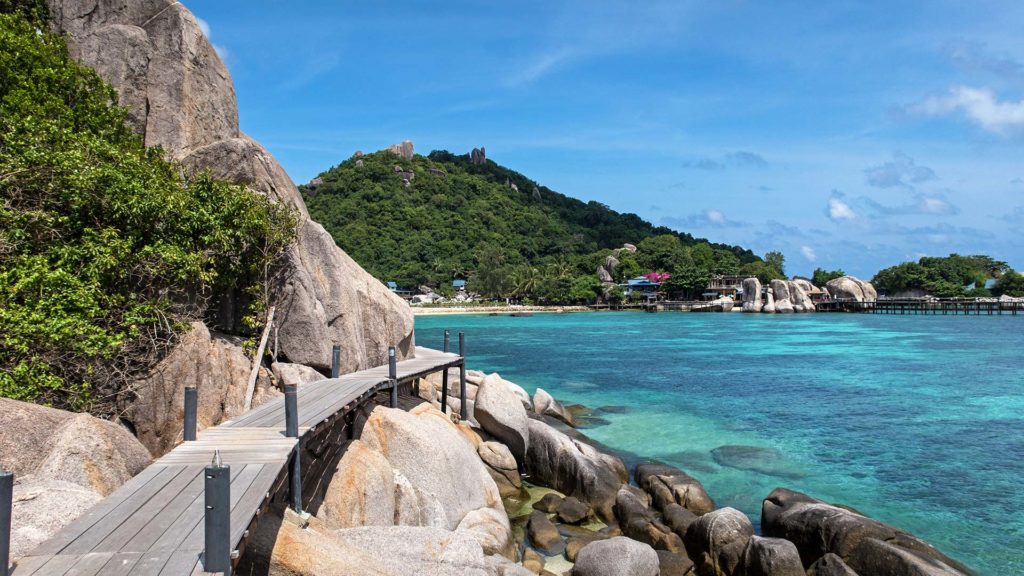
{"x":506,"y":235}
{"x":822,"y":276}
{"x":1010,"y":284}
{"x":946,"y":277}
{"x":105,"y":249}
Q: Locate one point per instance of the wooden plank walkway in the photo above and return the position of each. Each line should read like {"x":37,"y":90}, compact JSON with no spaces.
{"x":153,"y":525}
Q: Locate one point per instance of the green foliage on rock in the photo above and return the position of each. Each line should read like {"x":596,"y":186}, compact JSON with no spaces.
{"x":945,"y":277}
{"x":822,"y":276}
{"x":105,"y":248}
{"x":536,"y":242}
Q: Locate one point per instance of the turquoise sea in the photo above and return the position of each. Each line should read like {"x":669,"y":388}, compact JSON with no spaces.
{"x":917,"y":421}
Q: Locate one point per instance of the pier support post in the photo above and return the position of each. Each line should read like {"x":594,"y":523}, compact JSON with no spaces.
{"x":463,"y":409}
{"x":447,"y":335}
{"x":291,"y":430}
{"x":336,"y":361}
{"x":217,"y":521}
{"x":191,"y":407}
{"x":6,"y":507}
{"x":393,"y":375}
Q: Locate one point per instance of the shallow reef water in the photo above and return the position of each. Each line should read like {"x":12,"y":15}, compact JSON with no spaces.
{"x":917,"y":421}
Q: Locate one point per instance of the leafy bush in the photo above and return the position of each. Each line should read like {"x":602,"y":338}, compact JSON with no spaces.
{"x":940,"y":276}
{"x":105,"y":248}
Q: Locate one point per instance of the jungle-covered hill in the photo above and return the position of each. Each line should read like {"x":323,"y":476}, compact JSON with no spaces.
{"x":429,"y":219}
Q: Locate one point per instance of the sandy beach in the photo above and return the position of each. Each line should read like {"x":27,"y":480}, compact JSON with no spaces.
{"x":438,"y":310}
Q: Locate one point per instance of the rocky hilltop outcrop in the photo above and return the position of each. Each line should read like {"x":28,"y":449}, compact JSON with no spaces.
{"x":179,"y":95}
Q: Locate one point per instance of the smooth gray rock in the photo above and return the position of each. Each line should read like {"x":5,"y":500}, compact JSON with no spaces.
{"x":544,"y":403}
{"x":678,"y":519}
{"x":42,"y":507}
{"x":405,"y":150}
{"x":771,"y":557}
{"x":752,"y":295}
{"x":544,"y":535}
{"x":502,"y":467}
{"x":572,"y":511}
{"x":717,"y":540}
{"x":851,"y":288}
{"x":780,"y":289}
{"x":456,"y":482}
{"x":501,"y":413}
{"x":830,"y":565}
{"x":674,"y":564}
{"x":490,"y":527}
{"x":619,"y":556}
{"x":548,"y":503}
{"x":798,"y":296}
{"x":639,"y":523}
{"x":867,"y":546}
{"x":670,"y":485}
{"x":291,"y":374}
{"x":574,"y":468}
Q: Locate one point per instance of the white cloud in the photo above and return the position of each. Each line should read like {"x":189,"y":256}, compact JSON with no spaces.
{"x":715,"y":217}
{"x":839,"y":210}
{"x":808,"y":253}
{"x":979,"y":105}
{"x":901,"y":171}
{"x":540,"y":67}
{"x":707,"y":219}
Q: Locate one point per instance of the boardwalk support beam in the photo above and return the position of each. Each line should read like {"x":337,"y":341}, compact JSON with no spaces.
{"x":6,"y":505}
{"x":191,"y":407}
{"x":217,"y":550}
{"x":291,"y":430}
{"x":393,"y":375}
{"x":463,"y":409}
{"x":336,"y":361}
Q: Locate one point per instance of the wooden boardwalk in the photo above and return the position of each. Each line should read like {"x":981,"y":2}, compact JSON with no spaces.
{"x":154,"y":524}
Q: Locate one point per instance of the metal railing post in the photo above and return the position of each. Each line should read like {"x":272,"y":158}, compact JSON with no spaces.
{"x":291,"y":430}
{"x":393,"y":375}
{"x":217,"y":521}
{"x":447,"y":335}
{"x":6,"y":507}
{"x":463,"y":409}
{"x":191,"y":407}
{"x":336,"y":361}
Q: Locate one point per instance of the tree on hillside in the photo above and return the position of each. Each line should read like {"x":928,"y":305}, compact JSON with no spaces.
{"x":776,"y":260}
{"x":822,"y":276}
{"x":1011,"y":284}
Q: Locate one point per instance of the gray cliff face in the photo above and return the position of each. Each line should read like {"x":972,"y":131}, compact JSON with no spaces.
{"x":180,"y":96}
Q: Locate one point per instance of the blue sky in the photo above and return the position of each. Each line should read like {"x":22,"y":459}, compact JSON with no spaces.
{"x":846,"y":134}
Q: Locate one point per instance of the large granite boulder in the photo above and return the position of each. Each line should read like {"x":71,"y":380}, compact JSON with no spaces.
{"x":574,"y":468}
{"x":830,"y":565}
{"x":500,"y":412}
{"x":290,"y":374}
{"x":63,"y":464}
{"x":179,"y":95}
{"x":798,"y":296}
{"x":638,"y":522}
{"x":716,"y":541}
{"x":280,"y":548}
{"x":502,"y":467}
{"x":544,"y":403}
{"x":216,"y":366}
{"x":362,"y":492}
{"x":670,"y":485}
{"x":780,"y":290}
{"x":454,"y":484}
{"x":851,"y":288}
{"x":771,"y":557}
{"x":619,"y":556}
{"x":867,"y":546}
{"x":769,"y":302}
{"x":751,"y":295}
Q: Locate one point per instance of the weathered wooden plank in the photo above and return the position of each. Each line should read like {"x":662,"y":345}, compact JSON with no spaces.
{"x":187,"y":522}
{"x":121,"y":564}
{"x":150,"y":564}
{"x":131,"y":525}
{"x":239,"y":484}
{"x":58,"y":565}
{"x":151,"y":533}
{"x":93,"y":515}
{"x":89,"y":564}
{"x":242,"y":513}
{"x":181,"y":563}
{"x":28,"y":565}
{"x":89,"y":539}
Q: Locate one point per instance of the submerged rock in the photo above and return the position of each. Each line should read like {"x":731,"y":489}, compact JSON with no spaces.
{"x":867,"y":546}
{"x":757,"y":459}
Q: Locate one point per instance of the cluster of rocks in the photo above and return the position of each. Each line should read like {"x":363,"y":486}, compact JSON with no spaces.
{"x":407,"y":176}
{"x":478,"y":156}
{"x":404,"y":150}
{"x":788,"y":296}
{"x":428,"y":296}
{"x":606,"y":269}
